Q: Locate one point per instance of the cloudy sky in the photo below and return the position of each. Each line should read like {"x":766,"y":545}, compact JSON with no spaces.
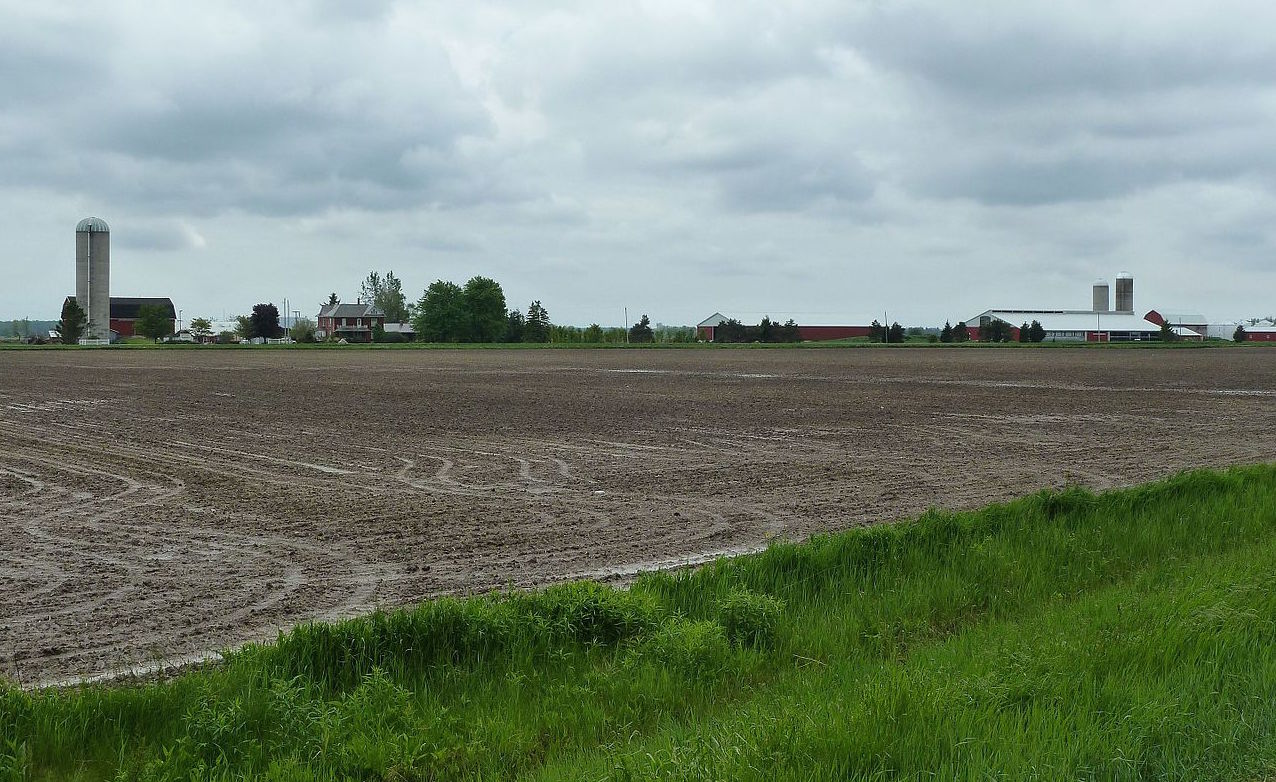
{"x":826,"y":160}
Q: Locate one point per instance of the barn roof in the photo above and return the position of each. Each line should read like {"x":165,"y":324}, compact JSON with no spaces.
{"x":128,"y":307}
{"x":1071,"y":320}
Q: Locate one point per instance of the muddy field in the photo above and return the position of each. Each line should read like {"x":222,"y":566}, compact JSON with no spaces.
{"x":155,"y":505}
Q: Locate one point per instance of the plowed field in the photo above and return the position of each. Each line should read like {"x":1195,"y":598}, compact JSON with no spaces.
{"x":159,"y":504}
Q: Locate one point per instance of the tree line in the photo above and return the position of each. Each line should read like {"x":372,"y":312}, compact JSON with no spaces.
{"x":733,"y":331}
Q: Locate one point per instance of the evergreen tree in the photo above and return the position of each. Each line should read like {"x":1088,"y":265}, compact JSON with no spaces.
{"x":332,"y":299}
{"x":378,"y":332}
{"x":537,"y":327}
{"x":1240,"y":335}
{"x":641,"y":331}
{"x":895,"y":334}
{"x":1167,"y":332}
{"x":961,"y":333}
{"x":1025,"y":333}
{"x":1037,"y":332}
{"x":71,"y":327}
{"x":876,"y":332}
{"x":947,"y":334}
{"x":514,"y":326}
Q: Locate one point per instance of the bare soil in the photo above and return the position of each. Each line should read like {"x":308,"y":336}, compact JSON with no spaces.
{"x":159,"y":504}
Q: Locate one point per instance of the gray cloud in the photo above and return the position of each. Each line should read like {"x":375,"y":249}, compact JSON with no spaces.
{"x":820,"y":156}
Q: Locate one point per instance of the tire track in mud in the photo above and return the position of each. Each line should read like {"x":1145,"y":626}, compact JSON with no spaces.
{"x":167,"y":504}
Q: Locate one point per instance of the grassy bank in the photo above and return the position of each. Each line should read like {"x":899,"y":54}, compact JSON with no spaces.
{"x":1062,"y":636}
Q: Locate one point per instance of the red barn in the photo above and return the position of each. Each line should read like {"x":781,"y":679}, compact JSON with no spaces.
{"x":125,"y":311}
{"x":706,"y":329}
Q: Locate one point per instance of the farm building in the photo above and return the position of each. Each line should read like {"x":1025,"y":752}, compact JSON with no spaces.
{"x":706,"y":329}
{"x":1072,"y":325}
{"x":352,"y":322}
{"x":1101,"y":323}
{"x":1258,"y":332}
{"x":126,"y":309}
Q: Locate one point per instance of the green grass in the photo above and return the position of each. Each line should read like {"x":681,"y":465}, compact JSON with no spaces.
{"x":1063,"y":636}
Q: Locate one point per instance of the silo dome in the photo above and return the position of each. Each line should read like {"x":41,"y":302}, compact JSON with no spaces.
{"x":92,"y":225}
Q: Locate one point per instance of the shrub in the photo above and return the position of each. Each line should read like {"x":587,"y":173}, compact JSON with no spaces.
{"x":695,"y":648}
{"x":750,"y":619}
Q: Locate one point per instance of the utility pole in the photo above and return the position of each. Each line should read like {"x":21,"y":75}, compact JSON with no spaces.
{"x":626,"y":325}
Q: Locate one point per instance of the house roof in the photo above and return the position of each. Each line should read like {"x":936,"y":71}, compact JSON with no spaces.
{"x":340,"y":310}
{"x":128,"y":307}
{"x":1071,"y":320}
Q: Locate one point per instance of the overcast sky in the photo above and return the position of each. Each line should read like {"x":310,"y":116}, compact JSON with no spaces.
{"x":826,"y":160}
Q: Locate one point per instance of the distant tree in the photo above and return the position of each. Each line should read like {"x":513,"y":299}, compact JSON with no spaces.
{"x":1025,"y":334}
{"x":378,"y":332}
{"x":153,"y":323}
{"x":895,"y":334}
{"x":201,"y":328}
{"x":789,"y":332}
{"x":226,"y":337}
{"x":303,"y":330}
{"x":244,"y":327}
{"x":731,"y":330}
{"x":641,"y":331}
{"x":441,"y":314}
{"x":594,"y":333}
{"x":1037,"y":332}
{"x":1167,"y":332}
{"x":877,"y":332}
{"x":73,"y":322}
{"x":370,"y":287}
{"x":947,"y":334}
{"x":332,"y":299}
{"x":514,"y":326}
{"x":537,"y":328}
{"x":1240,"y":335}
{"x":265,"y":321}
{"x":485,"y":306}
{"x":766,"y":330}
{"x":386,"y":294}
{"x":961,"y":333}
{"x":995,"y":331}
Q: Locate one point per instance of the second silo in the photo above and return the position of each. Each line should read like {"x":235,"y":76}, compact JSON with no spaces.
{"x":1102,"y":296}
{"x":93,"y":275}
{"x":1124,"y":292}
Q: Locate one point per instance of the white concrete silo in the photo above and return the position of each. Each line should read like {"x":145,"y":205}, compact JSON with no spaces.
{"x":1125,"y":292}
{"x":93,"y":275}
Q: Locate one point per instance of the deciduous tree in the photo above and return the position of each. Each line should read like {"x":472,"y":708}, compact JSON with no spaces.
{"x":265,"y":321}
{"x":152,"y":322}
{"x":441,"y":314}
{"x":485,"y":305}
{"x":201,"y":328}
